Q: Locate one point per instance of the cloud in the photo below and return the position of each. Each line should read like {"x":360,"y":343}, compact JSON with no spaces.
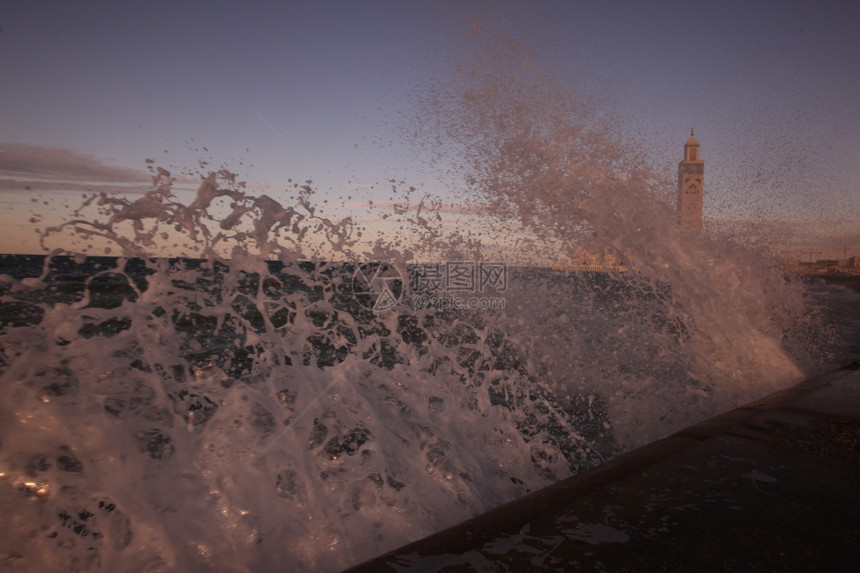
{"x":62,"y":164}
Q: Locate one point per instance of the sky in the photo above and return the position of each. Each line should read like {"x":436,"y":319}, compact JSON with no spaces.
{"x":321,"y":91}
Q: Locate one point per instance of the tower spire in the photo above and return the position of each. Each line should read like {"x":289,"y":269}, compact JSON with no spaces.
{"x":691,"y":172}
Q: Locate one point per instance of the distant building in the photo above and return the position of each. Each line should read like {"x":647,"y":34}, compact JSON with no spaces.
{"x":691,"y":174}
{"x":829,"y":268}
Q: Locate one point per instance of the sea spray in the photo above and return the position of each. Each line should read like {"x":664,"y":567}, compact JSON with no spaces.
{"x":250,"y":412}
{"x":245,"y":410}
{"x":697,"y":326}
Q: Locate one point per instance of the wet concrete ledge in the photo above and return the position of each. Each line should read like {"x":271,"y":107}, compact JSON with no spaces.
{"x":771,"y":486}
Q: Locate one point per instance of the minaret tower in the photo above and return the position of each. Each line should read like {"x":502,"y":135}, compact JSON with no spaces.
{"x":691,"y":173}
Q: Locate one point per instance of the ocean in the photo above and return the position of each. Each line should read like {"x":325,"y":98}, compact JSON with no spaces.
{"x":200,"y":414}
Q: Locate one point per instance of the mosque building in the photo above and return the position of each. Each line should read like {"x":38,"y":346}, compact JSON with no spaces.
{"x":691,"y":173}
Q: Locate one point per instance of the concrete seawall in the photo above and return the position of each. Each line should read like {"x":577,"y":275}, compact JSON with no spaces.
{"x":771,"y":486}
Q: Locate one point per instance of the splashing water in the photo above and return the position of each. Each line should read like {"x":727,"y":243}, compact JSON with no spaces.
{"x":700,"y":326}
{"x":250,"y":411}
{"x":252,"y":407}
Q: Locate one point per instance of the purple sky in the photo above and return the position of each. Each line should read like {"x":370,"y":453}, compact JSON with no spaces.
{"x":317,"y":90}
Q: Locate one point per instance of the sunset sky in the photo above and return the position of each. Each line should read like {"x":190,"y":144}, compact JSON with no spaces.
{"x":321,"y":90}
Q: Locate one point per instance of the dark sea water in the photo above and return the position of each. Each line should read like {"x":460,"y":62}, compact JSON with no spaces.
{"x":143,"y":397}
{"x":171,"y":413}
{"x":840,"y":301}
